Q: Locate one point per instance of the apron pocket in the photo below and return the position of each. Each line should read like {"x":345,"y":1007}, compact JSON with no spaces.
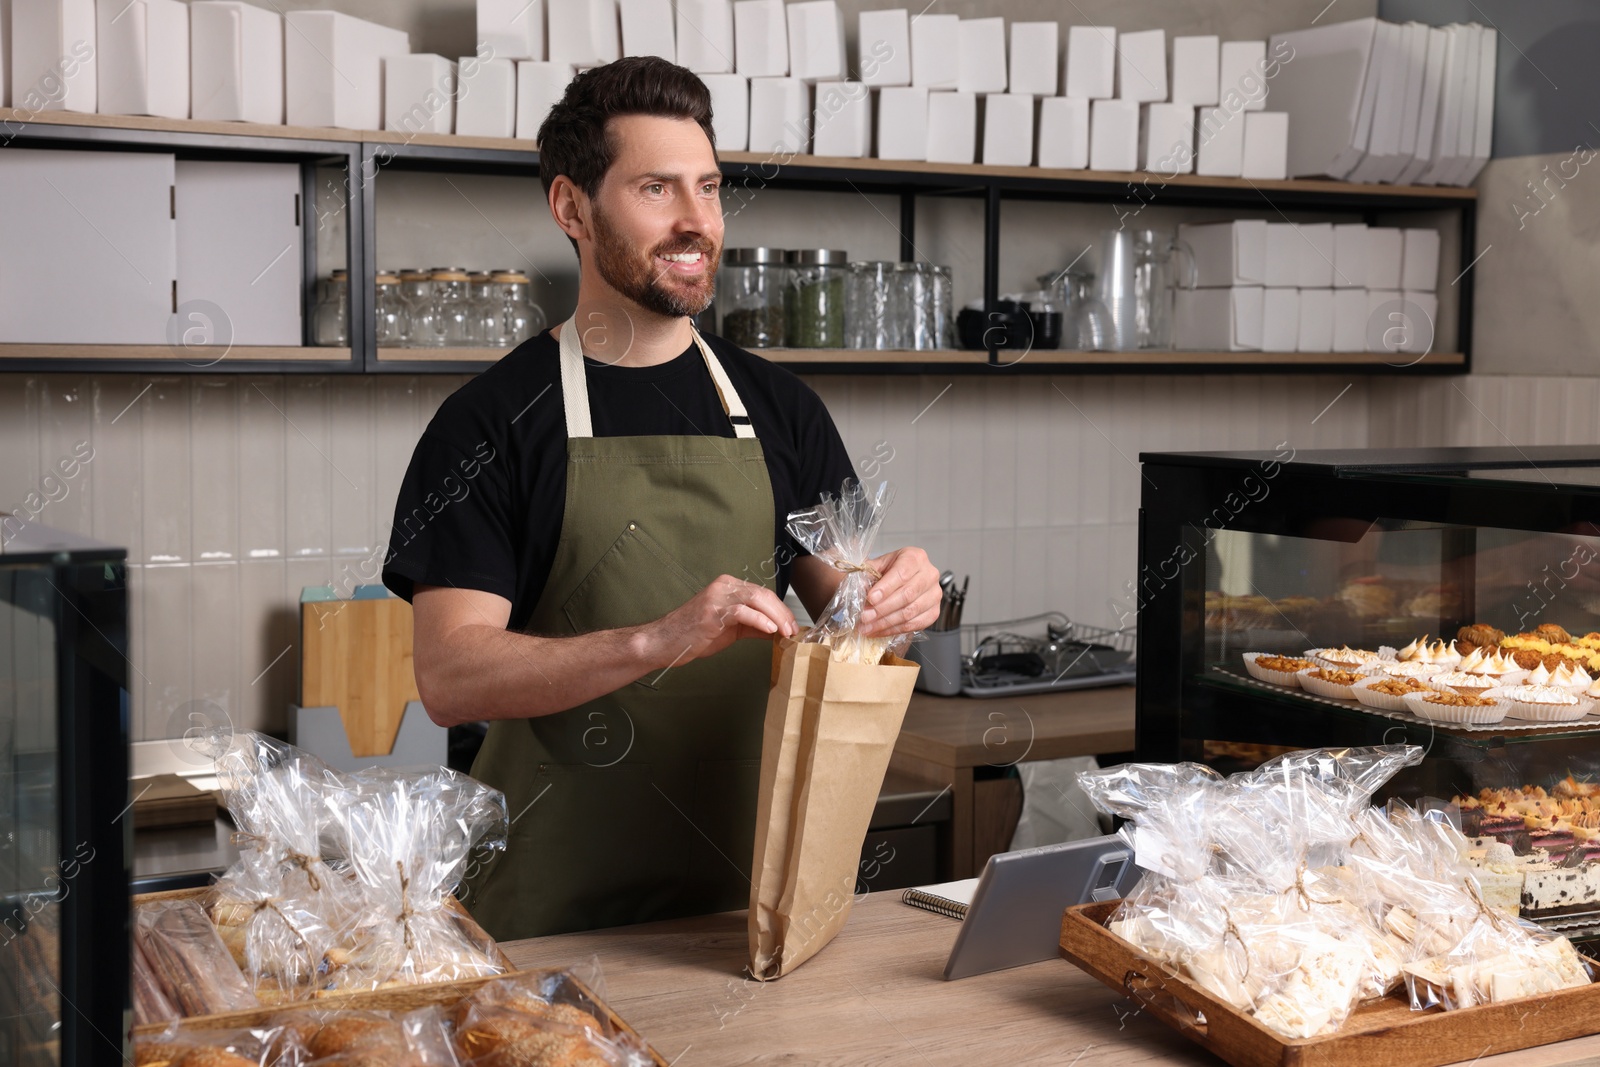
{"x":723,"y":807}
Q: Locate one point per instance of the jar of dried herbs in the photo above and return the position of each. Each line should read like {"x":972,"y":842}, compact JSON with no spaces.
{"x":752,"y":285}
{"x":815,"y":305}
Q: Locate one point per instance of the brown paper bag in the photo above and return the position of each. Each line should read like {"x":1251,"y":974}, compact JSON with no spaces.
{"x":830,"y":729}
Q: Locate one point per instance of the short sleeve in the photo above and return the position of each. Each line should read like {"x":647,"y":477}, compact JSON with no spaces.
{"x":452,"y":522}
{"x":825,"y":463}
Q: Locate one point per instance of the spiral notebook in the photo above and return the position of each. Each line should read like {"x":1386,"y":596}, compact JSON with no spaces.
{"x":946,"y":898}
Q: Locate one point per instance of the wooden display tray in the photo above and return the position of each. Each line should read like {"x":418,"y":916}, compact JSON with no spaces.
{"x":1382,"y":1031}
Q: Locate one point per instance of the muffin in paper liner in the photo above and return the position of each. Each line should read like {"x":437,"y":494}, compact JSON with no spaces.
{"x":1522,"y":702}
{"x":1418,"y":705}
{"x":1460,"y":682}
{"x":1321,"y":686}
{"x":1364,"y":693}
{"x":1363,"y":659}
{"x":1286,"y":679}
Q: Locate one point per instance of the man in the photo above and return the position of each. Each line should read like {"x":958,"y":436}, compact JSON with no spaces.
{"x":590,"y":530}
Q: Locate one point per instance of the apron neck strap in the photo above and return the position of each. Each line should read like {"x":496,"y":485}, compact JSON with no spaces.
{"x":575,"y":385}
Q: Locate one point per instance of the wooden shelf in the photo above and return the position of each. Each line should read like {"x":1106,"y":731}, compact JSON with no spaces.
{"x":197,"y":355}
{"x":1200,"y":360}
{"x":440,"y":355}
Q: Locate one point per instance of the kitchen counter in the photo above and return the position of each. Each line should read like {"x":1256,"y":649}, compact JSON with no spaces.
{"x":875,"y":996}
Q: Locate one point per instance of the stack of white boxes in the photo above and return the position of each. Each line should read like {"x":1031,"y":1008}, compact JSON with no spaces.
{"x":1308,"y":287}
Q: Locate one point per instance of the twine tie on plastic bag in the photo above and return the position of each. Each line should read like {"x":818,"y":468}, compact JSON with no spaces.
{"x":1239,"y":937}
{"x":1303,"y":898}
{"x":404,"y":918}
{"x":1483,"y":908}
{"x":268,"y":902}
{"x":854,"y":568}
{"x":304,"y":862}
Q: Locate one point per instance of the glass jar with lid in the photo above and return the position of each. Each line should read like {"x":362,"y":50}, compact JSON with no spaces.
{"x":330,"y":321}
{"x":393,"y":317}
{"x":483,"y":304}
{"x":868,"y":299}
{"x":751,"y":286}
{"x":932,"y":323}
{"x":446,"y":318}
{"x":814,"y":309}
{"x":416,"y":290}
{"x":520,"y":318}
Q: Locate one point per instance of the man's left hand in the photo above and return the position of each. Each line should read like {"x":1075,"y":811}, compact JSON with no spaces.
{"x":905,"y":599}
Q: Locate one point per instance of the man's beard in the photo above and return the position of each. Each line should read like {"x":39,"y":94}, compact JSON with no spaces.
{"x":642,"y":279}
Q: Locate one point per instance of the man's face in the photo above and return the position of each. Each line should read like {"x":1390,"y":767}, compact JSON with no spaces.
{"x":657,"y":216}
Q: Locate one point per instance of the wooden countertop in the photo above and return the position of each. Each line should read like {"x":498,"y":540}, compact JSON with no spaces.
{"x":966,"y":732}
{"x":876,"y":996}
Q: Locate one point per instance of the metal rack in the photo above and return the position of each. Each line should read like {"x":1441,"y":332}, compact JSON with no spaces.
{"x":1074,"y":656}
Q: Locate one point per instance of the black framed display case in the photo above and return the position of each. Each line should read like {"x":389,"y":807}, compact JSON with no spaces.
{"x":65,"y":831}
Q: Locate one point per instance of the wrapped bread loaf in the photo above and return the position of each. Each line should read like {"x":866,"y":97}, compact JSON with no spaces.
{"x":189,"y":960}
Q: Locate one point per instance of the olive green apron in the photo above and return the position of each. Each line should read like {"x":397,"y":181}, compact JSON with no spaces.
{"x":639,"y":805}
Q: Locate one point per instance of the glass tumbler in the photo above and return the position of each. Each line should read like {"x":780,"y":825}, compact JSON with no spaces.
{"x":416,"y":290}
{"x":330,"y":321}
{"x":393,"y":317}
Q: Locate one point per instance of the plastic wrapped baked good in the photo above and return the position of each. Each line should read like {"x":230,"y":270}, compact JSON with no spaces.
{"x":840,"y":532}
{"x":150,"y":1002}
{"x":188,"y":958}
{"x":534,"y":1020}
{"x":202,"y":1048}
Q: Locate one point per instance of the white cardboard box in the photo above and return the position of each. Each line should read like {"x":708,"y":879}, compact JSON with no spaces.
{"x":1266,"y":145}
{"x":540,"y":86}
{"x":760,"y":39}
{"x":952,"y":127}
{"x":1227,"y":253}
{"x":1035,"y":58}
{"x":1280,"y":320}
{"x":885,"y":47}
{"x":1218,"y":320}
{"x":1420,"y":260}
{"x":1242,"y":72}
{"x":1315,"y":333}
{"x":730,"y":110}
{"x":105,"y":216}
{"x":333,"y":69}
{"x":5,"y":52}
{"x":1063,"y":132}
{"x":982,"y":56}
{"x":1283,"y":256}
{"x":647,"y":29}
{"x":235,"y":62}
{"x":486,"y":102}
{"x":1316,"y":255}
{"x":1385,"y":248}
{"x":1092,"y":62}
{"x":1350,"y":255}
{"x":1350,"y":320}
{"x":1196,"y":70}
{"x":816,"y":41}
{"x":843,"y":120}
{"x":902,"y":123}
{"x":936,"y":51}
{"x":419,"y":94}
{"x":1422,"y":315}
{"x":1008,"y":129}
{"x":1142,"y":66}
{"x":1220,"y":152}
{"x":780,"y":115}
{"x":53,"y":55}
{"x":705,"y":36}
{"x":511,"y":29}
{"x":584,"y":33}
{"x":238,"y":249}
{"x":143,"y":48}
{"x":1113,"y":135}
{"x":1388,"y":328}
{"x":1168,"y":142}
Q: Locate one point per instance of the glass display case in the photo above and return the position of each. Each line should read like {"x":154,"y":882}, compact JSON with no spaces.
{"x":1282,"y":553}
{"x":65,"y":835}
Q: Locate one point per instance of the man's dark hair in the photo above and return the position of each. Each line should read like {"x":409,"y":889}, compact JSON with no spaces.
{"x":574,"y":139}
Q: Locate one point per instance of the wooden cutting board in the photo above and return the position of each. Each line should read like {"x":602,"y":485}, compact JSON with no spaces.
{"x":356,"y":656}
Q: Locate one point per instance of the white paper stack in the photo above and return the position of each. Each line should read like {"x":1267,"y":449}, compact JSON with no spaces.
{"x":1063,"y":132}
{"x":902,"y":124}
{"x":235,"y":62}
{"x":53,"y":55}
{"x":511,"y":29}
{"x":1035,"y":58}
{"x":816,"y":41}
{"x":1142,"y":67}
{"x":540,"y":86}
{"x":981,"y":56}
{"x":1168,"y":142}
{"x":1195,"y":72}
{"x":730,"y":110}
{"x":419,"y":94}
{"x":584,"y":33}
{"x":1113,"y":135}
{"x":647,"y":29}
{"x":1419,"y":261}
{"x":1008,"y":129}
{"x":760,"y":39}
{"x":333,"y":69}
{"x":1091,"y":62}
{"x":843,"y":122}
{"x":143,"y":48}
{"x":1384,"y":250}
{"x":486,"y":102}
{"x":1428,"y":108}
{"x":780,"y":115}
{"x":936,"y":51}
{"x":705,"y":36}
{"x":952,"y":127}
{"x":885,"y":47}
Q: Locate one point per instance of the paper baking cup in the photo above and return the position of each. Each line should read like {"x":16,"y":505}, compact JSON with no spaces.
{"x":1316,"y":656}
{"x":1435,"y":682}
{"x":1381,"y":701}
{"x":1409,"y":669}
{"x":1484,"y":716}
{"x":1323,"y":688}
{"x":1535,"y":712}
{"x":1261,"y":674}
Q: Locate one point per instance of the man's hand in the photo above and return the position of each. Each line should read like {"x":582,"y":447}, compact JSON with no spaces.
{"x":906,"y":598}
{"x":720,"y":614}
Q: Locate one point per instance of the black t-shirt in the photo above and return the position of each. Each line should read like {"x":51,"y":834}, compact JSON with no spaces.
{"x":481,"y":505}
